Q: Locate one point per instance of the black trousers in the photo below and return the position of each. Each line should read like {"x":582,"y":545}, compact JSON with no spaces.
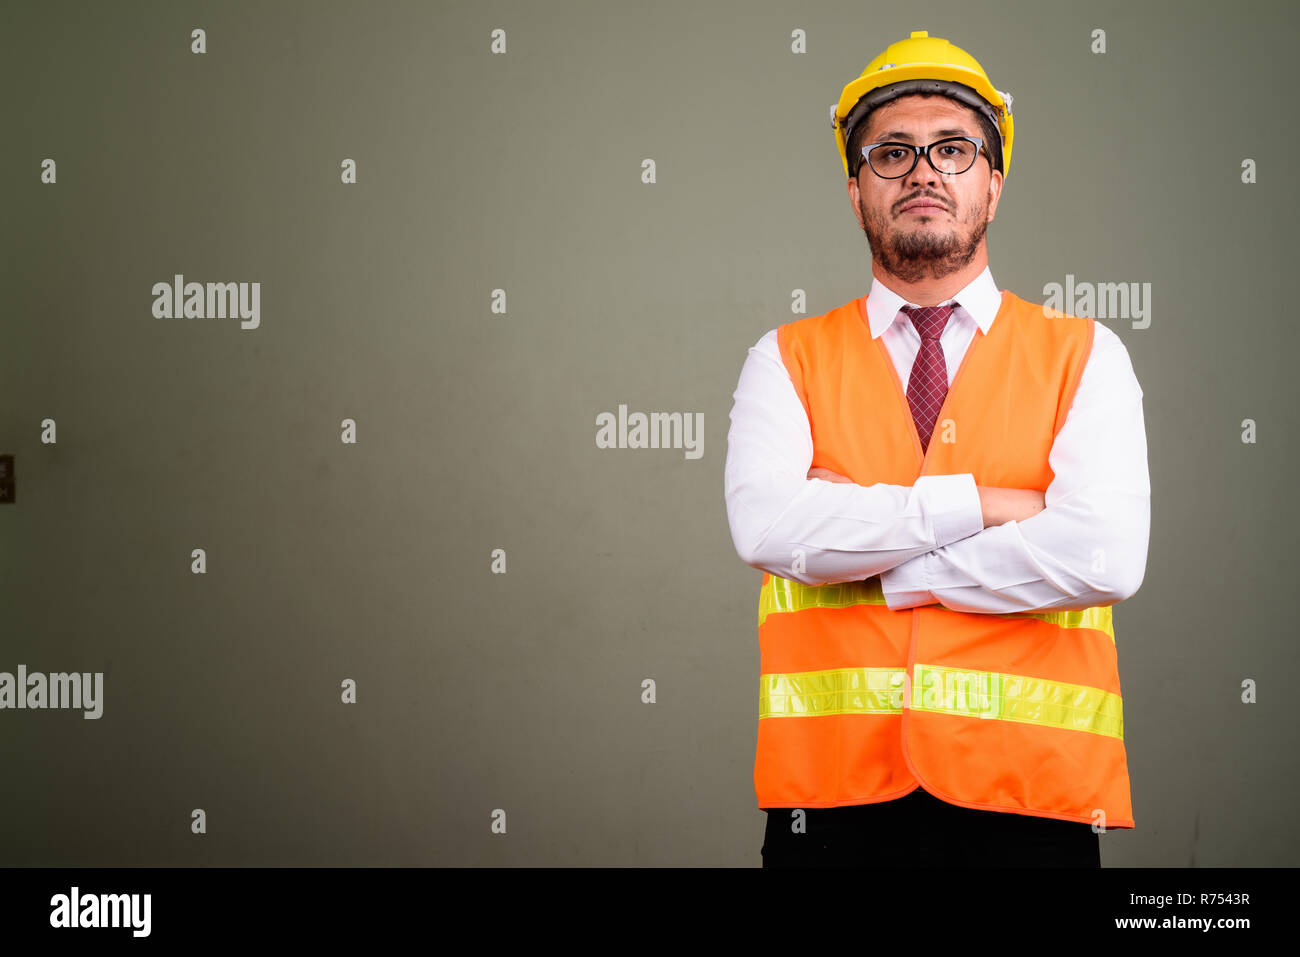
{"x":921,"y":830}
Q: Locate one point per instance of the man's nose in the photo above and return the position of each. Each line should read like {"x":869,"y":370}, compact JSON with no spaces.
{"x":923,"y":174}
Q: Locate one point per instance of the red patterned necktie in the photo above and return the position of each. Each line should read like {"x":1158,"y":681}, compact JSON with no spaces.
{"x":928,"y":384}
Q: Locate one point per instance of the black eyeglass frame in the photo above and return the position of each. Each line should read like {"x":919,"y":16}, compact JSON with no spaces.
{"x":919,"y":151}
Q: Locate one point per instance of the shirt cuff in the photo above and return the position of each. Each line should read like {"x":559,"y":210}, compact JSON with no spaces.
{"x":906,"y":585}
{"x":953,"y":504}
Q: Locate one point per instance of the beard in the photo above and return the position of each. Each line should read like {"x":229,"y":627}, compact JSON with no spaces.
{"x":925,"y":251}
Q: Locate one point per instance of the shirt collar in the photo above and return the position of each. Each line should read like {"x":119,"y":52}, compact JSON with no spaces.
{"x":980,"y":299}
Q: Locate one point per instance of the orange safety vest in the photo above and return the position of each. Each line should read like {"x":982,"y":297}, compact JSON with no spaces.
{"x":859,"y":704}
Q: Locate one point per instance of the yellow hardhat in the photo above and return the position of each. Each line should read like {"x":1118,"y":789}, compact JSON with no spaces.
{"x":923,"y":64}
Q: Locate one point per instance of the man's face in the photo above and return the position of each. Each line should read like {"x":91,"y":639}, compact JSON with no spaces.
{"x":925,"y":241}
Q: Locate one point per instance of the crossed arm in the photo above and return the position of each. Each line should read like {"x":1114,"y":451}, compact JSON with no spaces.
{"x":943,"y":539}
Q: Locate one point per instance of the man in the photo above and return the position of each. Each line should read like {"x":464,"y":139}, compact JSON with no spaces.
{"x":946,"y":488}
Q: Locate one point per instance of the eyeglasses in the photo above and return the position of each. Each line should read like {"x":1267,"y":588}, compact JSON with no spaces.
{"x":895,"y":160}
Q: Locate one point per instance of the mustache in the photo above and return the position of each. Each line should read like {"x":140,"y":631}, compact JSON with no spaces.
{"x":939,"y":200}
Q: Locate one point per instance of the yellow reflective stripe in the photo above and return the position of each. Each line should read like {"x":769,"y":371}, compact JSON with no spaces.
{"x":989,"y":694}
{"x":981,"y":694}
{"x":837,"y":691}
{"x":784,"y":595}
{"x":1098,"y":617}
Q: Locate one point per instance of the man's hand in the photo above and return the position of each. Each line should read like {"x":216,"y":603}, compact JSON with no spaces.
{"x":1002,"y":505}
{"x":828,"y":475}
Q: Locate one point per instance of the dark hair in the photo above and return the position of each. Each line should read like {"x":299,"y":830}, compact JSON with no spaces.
{"x":988,"y":130}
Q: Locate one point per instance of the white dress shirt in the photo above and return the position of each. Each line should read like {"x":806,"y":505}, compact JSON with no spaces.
{"x":927,"y":541}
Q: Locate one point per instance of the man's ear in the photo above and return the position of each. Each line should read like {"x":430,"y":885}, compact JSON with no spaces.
{"x":854,"y":198}
{"x":995,"y":193}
